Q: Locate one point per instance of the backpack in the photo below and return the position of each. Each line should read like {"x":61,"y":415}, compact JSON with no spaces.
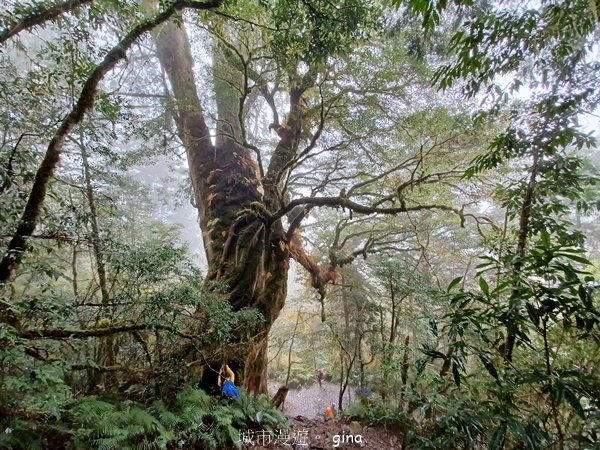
{"x":229,"y":390}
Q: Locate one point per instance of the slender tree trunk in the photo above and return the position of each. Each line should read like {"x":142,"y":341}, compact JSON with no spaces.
{"x":106,"y":350}
{"x":524,"y":223}
{"x":404,"y":373}
{"x":447,"y":362}
{"x":289,"y":368}
{"x":74,"y":272}
{"x":9,"y":169}
{"x":96,"y":244}
{"x":552,"y":398}
{"x":394,"y":319}
{"x":346,"y":368}
{"x":389,"y":346}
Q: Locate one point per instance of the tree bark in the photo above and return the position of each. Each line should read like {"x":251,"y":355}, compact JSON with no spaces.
{"x":246,"y":251}
{"x":524,"y":231}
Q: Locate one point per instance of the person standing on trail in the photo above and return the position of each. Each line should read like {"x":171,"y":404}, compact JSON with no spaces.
{"x":320,"y":375}
{"x":330,"y":413}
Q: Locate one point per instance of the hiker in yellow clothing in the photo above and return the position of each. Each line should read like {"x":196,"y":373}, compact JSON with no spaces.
{"x":226,"y":382}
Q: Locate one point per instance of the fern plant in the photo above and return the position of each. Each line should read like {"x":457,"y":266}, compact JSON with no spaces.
{"x":19,"y":435}
{"x":128,"y":426}
{"x":194,"y":418}
{"x":256,"y":411}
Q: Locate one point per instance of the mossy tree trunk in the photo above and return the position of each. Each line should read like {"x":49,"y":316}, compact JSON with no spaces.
{"x":248,"y":252}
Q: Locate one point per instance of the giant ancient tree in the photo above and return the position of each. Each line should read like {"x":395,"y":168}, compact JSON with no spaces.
{"x":250,"y":213}
{"x":350,"y":136}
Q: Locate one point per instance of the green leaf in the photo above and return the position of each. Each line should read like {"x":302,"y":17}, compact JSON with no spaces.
{"x":585,"y":296}
{"x":572,"y":399}
{"x":533,"y":313}
{"x":558,"y":392}
{"x":433,"y":353}
{"x":433,"y":327}
{"x":485,"y":288}
{"x":456,"y":373}
{"x":574,"y":257}
{"x":470,"y":172}
{"x":497,"y":438}
{"x":545,"y":238}
{"x":489,"y":367}
{"x":453,"y":283}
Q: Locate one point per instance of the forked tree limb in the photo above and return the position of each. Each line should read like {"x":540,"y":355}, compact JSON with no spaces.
{"x":319,"y":276}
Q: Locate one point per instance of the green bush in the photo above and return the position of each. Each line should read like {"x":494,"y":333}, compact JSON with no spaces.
{"x":377,"y":413}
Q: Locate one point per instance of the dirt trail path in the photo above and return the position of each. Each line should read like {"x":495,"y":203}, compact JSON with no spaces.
{"x":310,"y":401}
{"x":308,"y":430}
{"x":305,"y":434}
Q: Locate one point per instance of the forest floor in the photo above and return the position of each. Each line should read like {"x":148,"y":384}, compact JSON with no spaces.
{"x":309,"y":431}
{"x":310,"y":401}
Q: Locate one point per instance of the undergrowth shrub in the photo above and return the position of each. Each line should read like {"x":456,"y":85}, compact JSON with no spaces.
{"x":192,"y":420}
{"x":377,"y":413}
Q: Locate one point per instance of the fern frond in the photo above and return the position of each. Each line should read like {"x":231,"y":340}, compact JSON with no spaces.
{"x":233,"y":436}
{"x":111,"y":443}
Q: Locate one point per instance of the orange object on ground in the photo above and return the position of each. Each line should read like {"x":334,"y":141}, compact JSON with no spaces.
{"x":329,"y":414}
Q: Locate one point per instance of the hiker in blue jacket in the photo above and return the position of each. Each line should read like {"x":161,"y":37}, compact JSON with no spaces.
{"x":226,"y":382}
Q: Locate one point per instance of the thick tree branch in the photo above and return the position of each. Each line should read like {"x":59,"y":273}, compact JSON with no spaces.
{"x":286,"y":149}
{"x":319,"y":277}
{"x":243,"y":65}
{"x":295,"y":217}
{"x":115,"y":368}
{"x":524,"y":230}
{"x":305,"y":153}
{"x":60,"y":333}
{"x":343,"y":201}
{"x":38,"y":16}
